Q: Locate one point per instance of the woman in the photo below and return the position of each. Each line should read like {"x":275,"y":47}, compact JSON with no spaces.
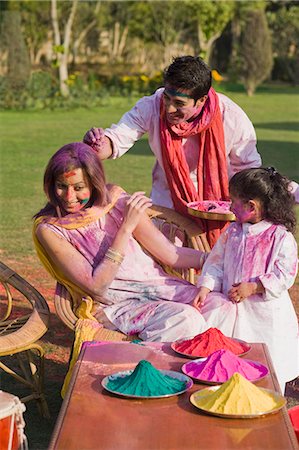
{"x":89,"y":236}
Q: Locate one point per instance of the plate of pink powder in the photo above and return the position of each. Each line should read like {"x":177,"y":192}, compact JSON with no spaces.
{"x":208,"y":342}
{"x":221,"y":365}
{"x":211,"y":210}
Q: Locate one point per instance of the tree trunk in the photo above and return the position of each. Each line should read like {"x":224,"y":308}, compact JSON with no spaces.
{"x":119,"y":41}
{"x":63,"y":53}
{"x":206,"y":45}
{"x":84,"y":33}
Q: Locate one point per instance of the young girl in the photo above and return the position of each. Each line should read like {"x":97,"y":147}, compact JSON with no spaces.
{"x":251,"y":268}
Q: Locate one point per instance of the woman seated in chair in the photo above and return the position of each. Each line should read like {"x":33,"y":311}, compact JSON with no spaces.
{"x":97,"y":240}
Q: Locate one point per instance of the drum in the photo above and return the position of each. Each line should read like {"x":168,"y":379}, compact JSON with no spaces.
{"x":12,"y":435}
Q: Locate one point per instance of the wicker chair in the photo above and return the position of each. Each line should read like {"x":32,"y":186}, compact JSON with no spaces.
{"x":168,"y":221}
{"x":19,"y":336}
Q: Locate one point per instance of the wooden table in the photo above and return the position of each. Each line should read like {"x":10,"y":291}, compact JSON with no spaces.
{"x":92,"y":418}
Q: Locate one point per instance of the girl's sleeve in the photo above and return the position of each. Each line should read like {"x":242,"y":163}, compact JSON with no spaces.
{"x":285,"y":269}
{"x":212,"y":273}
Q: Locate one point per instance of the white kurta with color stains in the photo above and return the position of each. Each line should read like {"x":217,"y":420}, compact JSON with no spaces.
{"x":251,"y":252}
{"x":239,"y":137}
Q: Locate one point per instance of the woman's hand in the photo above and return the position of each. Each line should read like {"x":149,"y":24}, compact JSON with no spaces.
{"x":136,"y":206}
{"x":201,"y":297}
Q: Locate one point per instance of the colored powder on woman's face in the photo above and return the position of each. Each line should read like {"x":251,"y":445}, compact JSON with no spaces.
{"x":236,"y":396}
{"x":147,"y":381}
{"x":210,"y":341}
{"x":221,"y":365}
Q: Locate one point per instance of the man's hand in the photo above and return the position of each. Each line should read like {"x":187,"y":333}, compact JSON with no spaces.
{"x":95,"y":137}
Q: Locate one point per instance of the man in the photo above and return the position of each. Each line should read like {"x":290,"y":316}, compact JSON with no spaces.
{"x":200,"y":138}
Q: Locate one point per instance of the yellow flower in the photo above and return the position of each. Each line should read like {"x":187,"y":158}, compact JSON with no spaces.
{"x":216,"y":75}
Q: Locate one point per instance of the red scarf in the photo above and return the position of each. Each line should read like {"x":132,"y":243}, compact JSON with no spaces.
{"x":212,"y":174}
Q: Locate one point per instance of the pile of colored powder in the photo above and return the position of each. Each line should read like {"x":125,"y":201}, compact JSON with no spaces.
{"x":220,"y":207}
{"x":210,"y":341}
{"x":221,"y":365}
{"x":237,"y":396}
{"x":147,"y":381}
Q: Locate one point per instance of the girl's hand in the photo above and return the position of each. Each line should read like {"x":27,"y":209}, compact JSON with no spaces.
{"x":241,"y":291}
{"x":136,"y":206}
{"x":201,"y":297}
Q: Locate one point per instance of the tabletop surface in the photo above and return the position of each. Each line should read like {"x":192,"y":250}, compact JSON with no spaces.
{"x":92,"y":418}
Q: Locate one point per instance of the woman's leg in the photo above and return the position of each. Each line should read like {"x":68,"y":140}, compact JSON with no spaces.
{"x":171,"y":321}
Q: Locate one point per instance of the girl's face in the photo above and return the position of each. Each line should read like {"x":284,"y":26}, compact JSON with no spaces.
{"x":73,"y":190}
{"x":245,"y":211}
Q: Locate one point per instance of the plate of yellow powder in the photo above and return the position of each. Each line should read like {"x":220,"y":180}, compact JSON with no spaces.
{"x":145,"y":381}
{"x":238,"y":398}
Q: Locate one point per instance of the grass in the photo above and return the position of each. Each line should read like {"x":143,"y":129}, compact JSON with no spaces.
{"x":27,"y":141}
{"x":29,"y":138}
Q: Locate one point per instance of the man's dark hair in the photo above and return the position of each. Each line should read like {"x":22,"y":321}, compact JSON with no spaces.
{"x":189,"y":73}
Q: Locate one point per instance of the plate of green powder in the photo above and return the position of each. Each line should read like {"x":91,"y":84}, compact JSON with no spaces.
{"x":145,"y":381}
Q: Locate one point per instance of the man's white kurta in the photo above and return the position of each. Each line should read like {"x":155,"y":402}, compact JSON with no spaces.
{"x":239,"y":135}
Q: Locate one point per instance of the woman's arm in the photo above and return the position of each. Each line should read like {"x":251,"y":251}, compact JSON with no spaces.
{"x":212,"y":274}
{"x":76,"y":268}
{"x":154,"y":241}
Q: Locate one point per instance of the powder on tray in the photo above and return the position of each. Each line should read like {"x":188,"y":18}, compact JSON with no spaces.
{"x":237,"y":396}
{"x":210,"y":341}
{"x":220,"y":207}
{"x":147,"y":381}
{"x":221,"y":365}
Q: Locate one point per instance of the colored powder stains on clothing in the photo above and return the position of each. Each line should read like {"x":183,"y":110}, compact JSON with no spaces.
{"x":210,"y":341}
{"x":222,"y":364}
{"x":237,"y":396}
{"x":147,"y":381}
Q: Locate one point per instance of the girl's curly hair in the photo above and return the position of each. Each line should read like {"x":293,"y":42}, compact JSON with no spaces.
{"x":273,"y":191}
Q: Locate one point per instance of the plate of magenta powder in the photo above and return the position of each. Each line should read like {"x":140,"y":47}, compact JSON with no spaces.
{"x":221,"y":365}
{"x":211,"y":210}
{"x":208,"y":342}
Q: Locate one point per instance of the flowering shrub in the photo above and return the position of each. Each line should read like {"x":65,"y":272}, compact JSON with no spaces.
{"x":216,"y":76}
{"x":85,"y":90}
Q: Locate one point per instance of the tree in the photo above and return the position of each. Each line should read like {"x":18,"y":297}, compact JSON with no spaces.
{"x":62,"y":46}
{"x":161,"y":26}
{"x":36,"y":25}
{"x":211,"y":17}
{"x":256,"y":58}
{"x":18,"y":64}
{"x":86,"y":21}
{"x":283,"y":19}
{"x":241,"y":11}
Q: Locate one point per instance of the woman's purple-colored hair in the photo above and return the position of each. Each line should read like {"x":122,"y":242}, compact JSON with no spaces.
{"x":75,"y":155}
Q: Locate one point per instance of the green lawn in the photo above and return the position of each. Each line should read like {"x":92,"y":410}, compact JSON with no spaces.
{"x":29,"y":138}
